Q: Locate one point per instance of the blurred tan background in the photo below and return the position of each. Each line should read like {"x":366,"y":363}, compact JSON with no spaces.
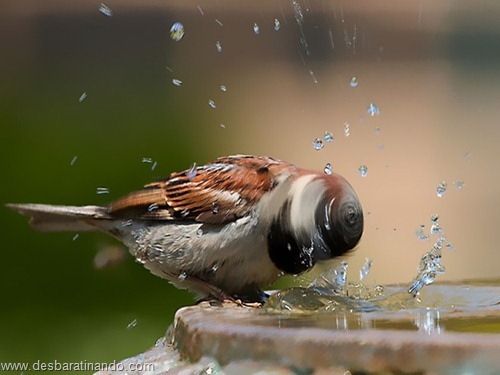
{"x":432,"y":69}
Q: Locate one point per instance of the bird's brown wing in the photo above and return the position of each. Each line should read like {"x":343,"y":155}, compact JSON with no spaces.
{"x":218,"y":192}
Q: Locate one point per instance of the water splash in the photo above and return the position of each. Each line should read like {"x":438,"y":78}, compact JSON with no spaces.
{"x":421,"y":234}
{"x":132,"y":324}
{"x":191,"y":173}
{"x":363,"y":170}
{"x":328,"y":137}
{"x":365,"y":269}
{"x":256,"y":29}
{"x":218,"y":46}
{"x":104,"y":9}
{"x":373,"y":110}
{"x":441,"y":189}
{"x":177,"y":31}
{"x":215,"y":207}
{"x":102,"y":190}
{"x":318,"y":144}
{"x":277,"y":24}
{"x":331,"y":292}
{"x":328,"y":169}
{"x":347,"y":130}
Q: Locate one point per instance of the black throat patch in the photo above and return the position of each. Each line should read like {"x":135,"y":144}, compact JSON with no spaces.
{"x":287,"y":253}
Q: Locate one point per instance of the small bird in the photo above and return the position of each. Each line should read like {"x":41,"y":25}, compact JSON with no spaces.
{"x":225,"y":229}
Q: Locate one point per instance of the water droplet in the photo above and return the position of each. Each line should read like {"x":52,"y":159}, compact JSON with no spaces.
{"x":215,"y":207}
{"x":153,"y":207}
{"x":199,"y":232}
{"x":218,"y":46}
{"x":104,"y":9}
{"x":132,"y":324}
{"x":102,"y":190}
{"x":75,"y":237}
{"x":365,"y":270}
{"x":277,"y":24}
{"x":147,"y":160}
{"x":177,"y":31}
{"x":450,"y":246}
{"x":127,"y":223}
{"x":192,"y":172}
{"x":377,"y":130}
{"x":353,"y":82}
{"x":347,"y":130}
{"x":373,"y":110}
{"x":311,"y":73}
{"x":441,"y":189}
{"x":223,"y":88}
{"x":82,"y":97}
{"x":328,"y":169}
{"x":459,"y":185}
{"x":289,"y":246}
{"x":219,"y":22}
{"x":256,"y":29}
{"x":435,"y":228}
{"x":328,"y":137}
{"x":185,"y":212}
{"x":153,"y":167}
{"x":177,"y":82}
{"x":318,"y":144}
{"x":182,"y":276}
{"x":421,"y":234}
{"x":201,"y":10}
{"x":215,"y":267}
{"x":363,"y":170}
{"x":73,"y":161}
{"x":211,"y":103}
{"x":222,"y":126}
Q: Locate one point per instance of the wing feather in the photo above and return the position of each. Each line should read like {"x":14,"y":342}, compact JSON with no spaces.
{"x":218,"y":192}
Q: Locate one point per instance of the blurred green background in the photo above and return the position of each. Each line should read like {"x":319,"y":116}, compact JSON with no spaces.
{"x":433,"y":69}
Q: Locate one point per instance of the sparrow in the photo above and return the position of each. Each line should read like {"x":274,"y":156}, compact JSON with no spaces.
{"x":227,"y":228}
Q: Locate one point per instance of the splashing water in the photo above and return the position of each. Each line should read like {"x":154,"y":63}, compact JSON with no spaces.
{"x":421,"y":234}
{"x":328,"y":137}
{"x":132,"y":324}
{"x":328,"y":169}
{"x":192,"y":172}
{"x":365,"y":269}
{"x":318,"y":144}
{"x":373,"y":110}
{"x":177,"y":31}
{"x":102,"y":190}
{"x":441,"y":189}
{"x":218,"y":46}
{"x":104,"y":9}
{"x":256,"y":29}
{"x":363,"y":170}
{"x":331,"y":292}
{"x":277,"y":24}
{"x":347,"y":130}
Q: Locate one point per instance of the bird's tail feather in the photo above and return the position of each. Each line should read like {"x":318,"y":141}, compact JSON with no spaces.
{"x":54,"y":218}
